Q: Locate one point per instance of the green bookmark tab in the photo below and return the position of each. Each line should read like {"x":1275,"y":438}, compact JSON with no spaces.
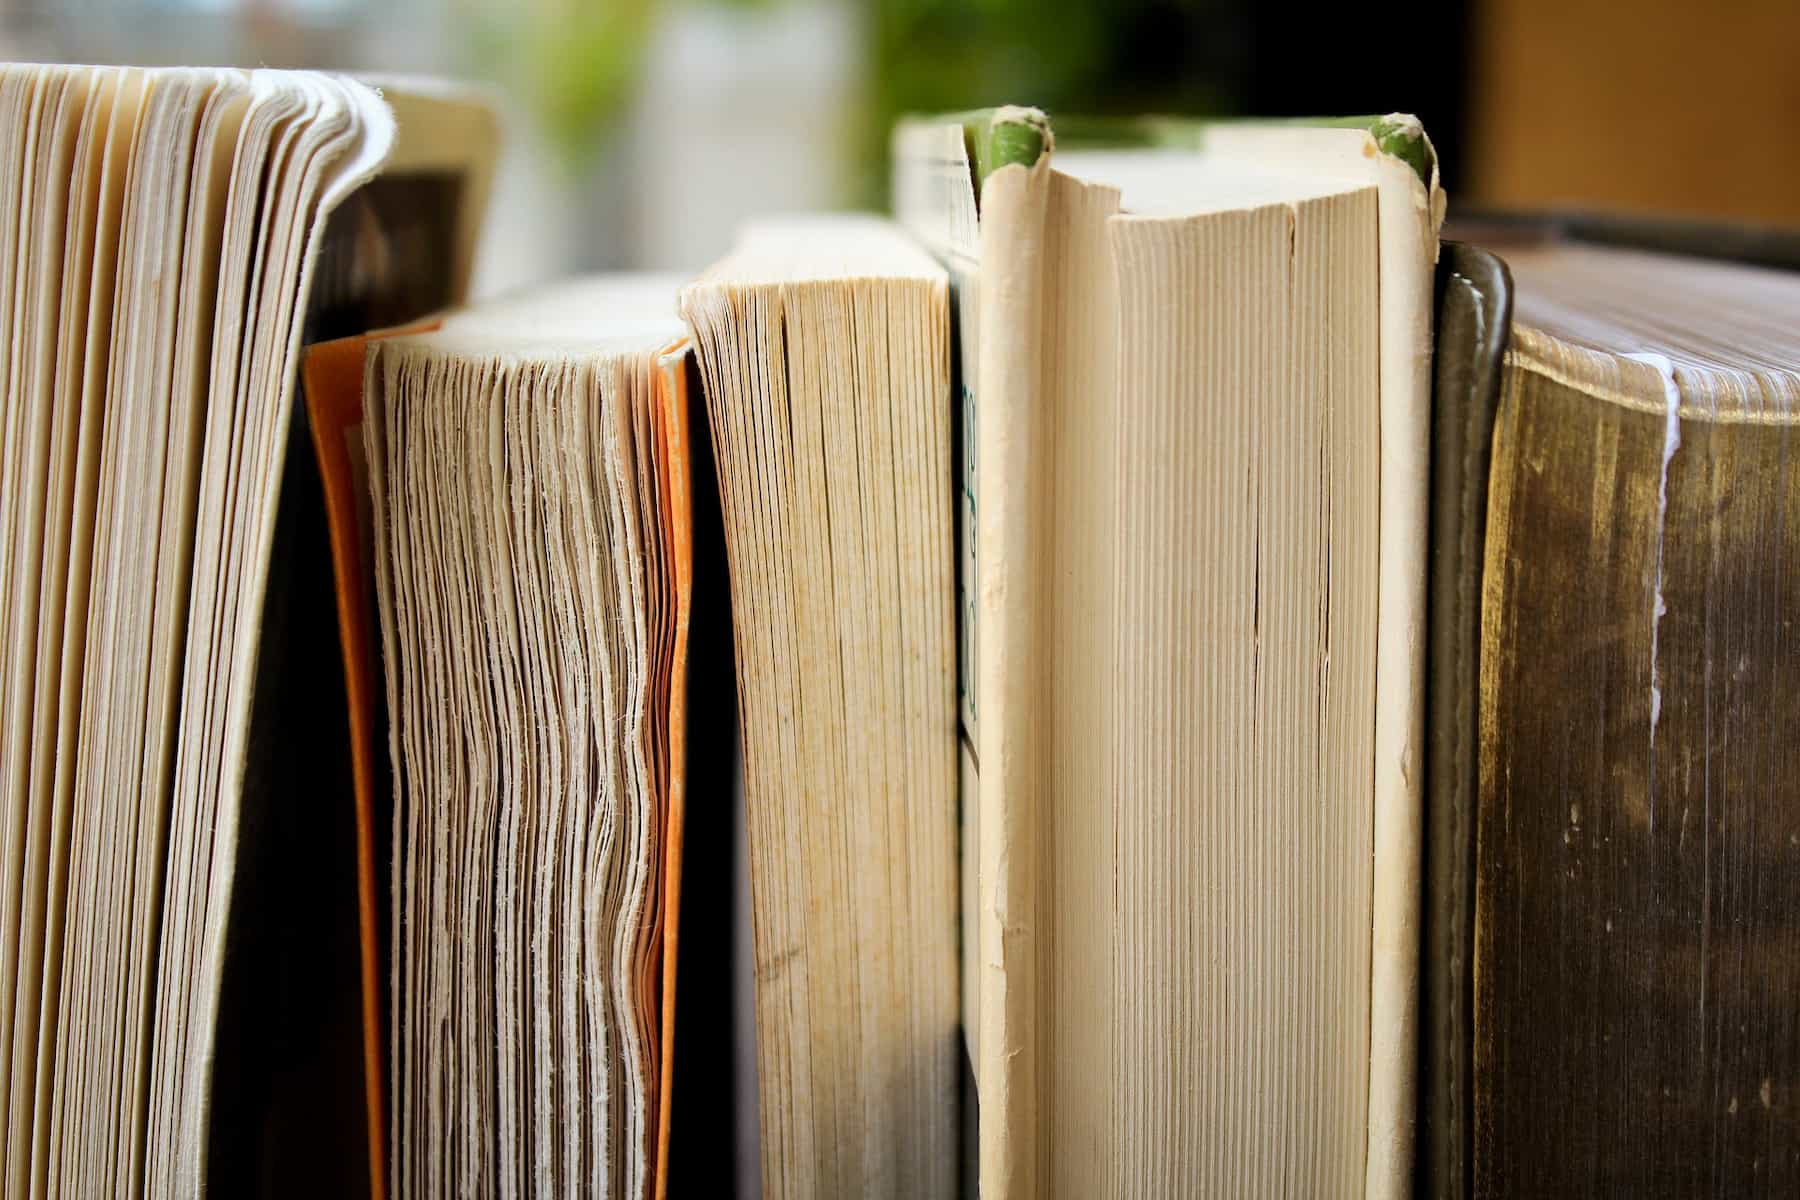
{"x":997,"y":137}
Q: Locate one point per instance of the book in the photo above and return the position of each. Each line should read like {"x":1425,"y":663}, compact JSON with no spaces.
{"x":170,"y":238}
{"x":1621,"y":823}
{"x":1474,"y":317}
{"x":1216,"y":690}
{"x":824,"y":351}
{"x":536,"y":456}
{"x":530,"y":493}
{"x":1194,"y":374}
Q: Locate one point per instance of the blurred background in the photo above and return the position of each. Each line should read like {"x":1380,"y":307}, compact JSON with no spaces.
{"x":640,"y":132}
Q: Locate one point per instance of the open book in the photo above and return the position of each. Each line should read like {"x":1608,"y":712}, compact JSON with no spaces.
{"x":169,"y":239}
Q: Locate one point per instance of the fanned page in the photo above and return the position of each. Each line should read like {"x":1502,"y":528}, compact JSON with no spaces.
{"x":532,"y":559}
{"x":1198,"y":445}
{"x":161,"y":180}
{"x":396,"y":248}
{"x":824,"y":349}
{"x":157,"y":230}
{"x":1636,"y":845}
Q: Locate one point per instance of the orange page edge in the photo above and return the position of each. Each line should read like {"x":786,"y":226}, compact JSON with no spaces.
{"x":332,"y":376}
{"x":674,"y":446}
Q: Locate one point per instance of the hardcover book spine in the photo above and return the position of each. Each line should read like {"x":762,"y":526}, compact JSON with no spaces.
{"x":1473,"y":321}
{"x":1410,"y":212}
{"x":1009,"y":548}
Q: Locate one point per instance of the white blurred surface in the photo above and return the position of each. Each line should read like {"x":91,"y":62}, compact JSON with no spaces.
{"x":742,"y":112}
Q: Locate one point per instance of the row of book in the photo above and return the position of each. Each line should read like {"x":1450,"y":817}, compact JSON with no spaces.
{"x":1226,"y":691}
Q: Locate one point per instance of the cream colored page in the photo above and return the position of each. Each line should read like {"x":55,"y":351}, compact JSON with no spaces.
{"x":234,"y":433}
{"x":116,"y":867}
{"x":1246,"y":581}
{"x":627,"y":391}
{"x":21,"y":106}
{"x":1082,"y":405}
{"x":270,"y":112}
{"x":185,"y":347}
{"x":1410,"y":212}
{"x":1042,"y":880}
{"x":29,"y":467}
{"x":55,"y":771}
{"x":90,"y":98}
{"x":833,"y":452}
{"x":343,"y":141}
{"x":1045,"y":426}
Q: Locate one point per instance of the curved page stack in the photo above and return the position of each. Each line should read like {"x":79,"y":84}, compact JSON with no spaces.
{"x":167,"y":239}
{"x":527,"y":464}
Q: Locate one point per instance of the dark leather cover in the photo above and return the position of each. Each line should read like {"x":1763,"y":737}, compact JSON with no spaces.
{"x":1637,"y":953}
{"x":1474,"y":317}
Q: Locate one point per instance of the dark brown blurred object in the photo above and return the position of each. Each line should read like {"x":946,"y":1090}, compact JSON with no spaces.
{"x":1658,"y":105}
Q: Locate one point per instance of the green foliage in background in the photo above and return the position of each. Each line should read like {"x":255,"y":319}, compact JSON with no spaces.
{"x":574,"y":61}
{"x":1066,"y":56}
{"x":577,"y":61}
